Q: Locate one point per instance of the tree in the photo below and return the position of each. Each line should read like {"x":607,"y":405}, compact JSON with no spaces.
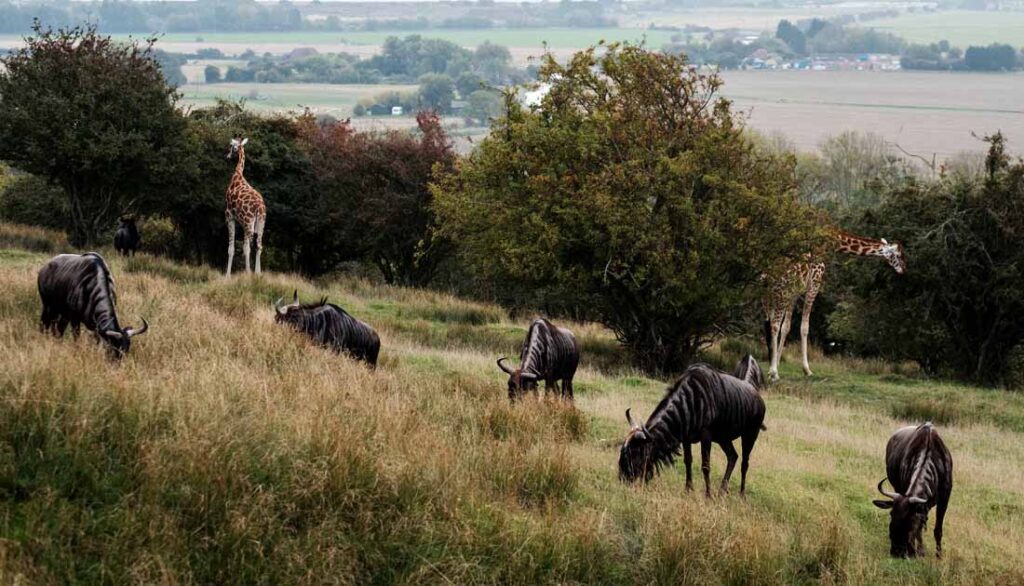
{"x":467,"y":83}
{"x":629,"y":196}
{"x":93,"y":117}
{"x":959,"y":309}
{"x":994,"y":57}
{"x":437,"y":92}
{"x":484,"y":105}
{"x":372,"y":200}
{"x":792,"y":36}
{"x":212,"y":74}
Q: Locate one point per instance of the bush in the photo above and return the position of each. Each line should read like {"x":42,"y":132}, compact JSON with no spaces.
{"x":32,"y":238}
{"x":28,"y":199}
{"x":1014,"y":377}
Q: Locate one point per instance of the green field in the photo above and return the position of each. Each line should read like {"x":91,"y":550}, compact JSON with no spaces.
{"x":227,"y":450}
{"x":960,"y":27}
{"x":512,"y":37}
{"x":332,"y":99}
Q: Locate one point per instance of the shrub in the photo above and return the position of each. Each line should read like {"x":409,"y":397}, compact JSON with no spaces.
{"x":28,"y":199}
{"x":32,"y":238}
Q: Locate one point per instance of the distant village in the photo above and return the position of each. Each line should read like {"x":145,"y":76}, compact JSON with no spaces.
{"x":764,"y":59}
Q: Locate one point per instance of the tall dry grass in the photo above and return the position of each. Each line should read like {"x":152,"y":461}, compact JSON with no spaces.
{"x":226,"y":449}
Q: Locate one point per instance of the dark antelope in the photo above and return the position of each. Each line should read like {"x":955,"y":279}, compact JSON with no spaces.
{"x":704,"y":406}
{"x":77,"y":289}
{"x":331,"y":326}
{"x":126,"y":239}
{"x":549,"y":353}
{"x":920,"y":468}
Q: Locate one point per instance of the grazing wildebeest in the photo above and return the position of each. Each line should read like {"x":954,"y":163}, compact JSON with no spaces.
{"x":748,"y":370}
{"x":549,"y":353}
{"x":331,"y":326}
{"x":920,"y":468}
{"x":77,"y":289}
{"x":126,"y":239}
{"x":704,"y":406}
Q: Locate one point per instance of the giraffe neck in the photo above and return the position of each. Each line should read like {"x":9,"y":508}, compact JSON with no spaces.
{"x":240,"y":166}
{"x":858,"y":245}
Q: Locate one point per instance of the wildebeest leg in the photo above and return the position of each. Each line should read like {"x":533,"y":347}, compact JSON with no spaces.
{"x":688,"y":461}
{"x":730,"y":455}
{"x":705,"y":461}
{"x":550,"y":386}
{"x":60,"y":326}
{"x":567,"y":388}
{"x":748,"y":446}
{"x":46,"y":320}
{"x":940,"y":514}
{"x":76,"y":329}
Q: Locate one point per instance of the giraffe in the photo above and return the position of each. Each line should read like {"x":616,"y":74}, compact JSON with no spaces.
{"x":805,"y":278}
{"x":245,"y":205}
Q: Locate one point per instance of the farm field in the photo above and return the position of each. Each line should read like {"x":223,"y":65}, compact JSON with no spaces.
{"x":960,"y":27}
{"x":925,"y":112}
{"x":226,"y":449}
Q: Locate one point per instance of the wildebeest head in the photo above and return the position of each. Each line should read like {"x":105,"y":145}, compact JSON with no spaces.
{"x":635,"y":454}
{"x":126,"y":222}
{"x":907,"y":518}
{"x":893,"y":253}
{"x":236,"y":145}
{"x":519,"y":382}
{"x":290,"y":313}
{"x":120,"y":341}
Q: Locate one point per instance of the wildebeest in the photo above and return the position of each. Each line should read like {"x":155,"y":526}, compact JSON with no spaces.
{"x":77,"y":289}
{"x":920,"y":468}
{"x":550,"y":353}
{"x":126,"y":239}
{"x":748,"y":370}
{"x":703,"y":405}
{"x":331,"y":326}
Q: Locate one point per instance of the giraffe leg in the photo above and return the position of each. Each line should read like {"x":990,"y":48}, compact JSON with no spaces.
{"x":775,"y":324}
{"x":231,"y":243}
{"x":260,"y":223}
{"x":805,"y":327}
{"x":247,"y":244}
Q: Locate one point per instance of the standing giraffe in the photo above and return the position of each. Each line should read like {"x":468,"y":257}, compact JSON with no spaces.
{"x":245,"y":205}
{"x":805,"y":278}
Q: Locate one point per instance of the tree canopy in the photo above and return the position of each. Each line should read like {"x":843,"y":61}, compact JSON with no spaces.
{"x":94,"y":117}
{"x":628,"y":196}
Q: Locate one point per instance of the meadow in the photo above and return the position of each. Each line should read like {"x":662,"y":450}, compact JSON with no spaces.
{"x":960,"y":27}
{"x":227,"y":449}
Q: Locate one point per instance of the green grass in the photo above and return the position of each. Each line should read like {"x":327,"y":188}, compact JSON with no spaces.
{"x":225,"y":449}
{"x":287,"y":96}
{"x":960,"y":27}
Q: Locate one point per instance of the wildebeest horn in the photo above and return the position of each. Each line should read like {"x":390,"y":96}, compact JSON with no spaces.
{"x":132,"y":331}
{"x":113,"y":334}
{"x":502,"y":366}
{"x":278,"y":308}
{"x":891,"y":495}
{"x":529,"y":376}
{"x":629,"y":418}
{"x":295,"y":297}
{"x":916,"y":500}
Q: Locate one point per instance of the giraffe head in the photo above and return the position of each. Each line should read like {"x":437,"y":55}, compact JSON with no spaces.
{"x":236,"y":145}
{"x":893,"y":253}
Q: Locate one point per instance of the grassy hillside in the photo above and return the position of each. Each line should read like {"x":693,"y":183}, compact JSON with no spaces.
{"x":227,"y":449}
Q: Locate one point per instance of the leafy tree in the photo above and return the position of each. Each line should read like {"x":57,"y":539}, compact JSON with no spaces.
{"x":95,"y":118}
{"x":792,"y":36}
{"x":212,"y":74}
{"x":484,"y":105}
{"x":629,"y":196}
{"x":959,"y":309}
{"x":467,"y":83}
{"x":994,"y":57}
{"x":437,"y":92}
{"x":372,"y":200}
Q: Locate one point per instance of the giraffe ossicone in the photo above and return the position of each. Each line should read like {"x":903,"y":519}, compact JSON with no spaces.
{"x":243,"y":204}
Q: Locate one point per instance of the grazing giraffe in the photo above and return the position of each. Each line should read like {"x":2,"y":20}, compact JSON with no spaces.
{"x":245,"y":205}
{"x":805,"y":278}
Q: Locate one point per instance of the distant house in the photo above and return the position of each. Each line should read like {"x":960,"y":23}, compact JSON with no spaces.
{"x":396,"y":110}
